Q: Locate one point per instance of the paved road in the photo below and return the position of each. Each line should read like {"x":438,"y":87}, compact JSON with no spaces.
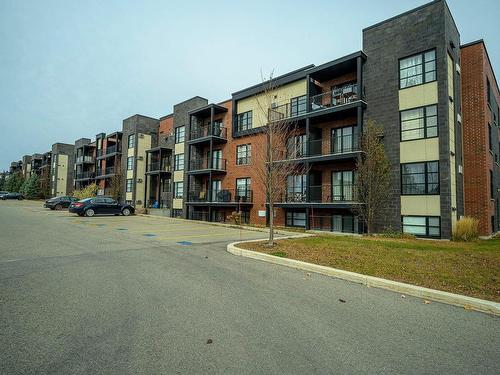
{"x":120,"y":295}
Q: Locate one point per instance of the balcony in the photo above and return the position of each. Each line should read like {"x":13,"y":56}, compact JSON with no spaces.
{"x":158,"y":167}
{"x":205,"y":165}
{"x":221,"y":197}
{"x":85,"y":159}
{"x":85,"y":176}
{"x":113,"y":149}
{"x":317,"y":150}
{"x":321,"y":195}
{"x":215,"y":132}
{"x":102,"y":172}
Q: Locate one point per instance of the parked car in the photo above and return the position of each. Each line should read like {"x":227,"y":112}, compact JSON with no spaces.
{"x":17,"y":196}
{"x":2,"y":193}
{"x":58,"y":203}
{"x":100,"y":206}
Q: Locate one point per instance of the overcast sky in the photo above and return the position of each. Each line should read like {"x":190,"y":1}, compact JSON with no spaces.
{"x":72,"y":69}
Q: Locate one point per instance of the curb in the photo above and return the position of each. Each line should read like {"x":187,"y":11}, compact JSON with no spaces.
{"x":477,"y":304}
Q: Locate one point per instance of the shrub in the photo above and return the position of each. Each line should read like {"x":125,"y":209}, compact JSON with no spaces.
{"x":88,"y":191}
{"x":466,"y":229}
{"x":30,"y":188}
{"x":390,"y":232}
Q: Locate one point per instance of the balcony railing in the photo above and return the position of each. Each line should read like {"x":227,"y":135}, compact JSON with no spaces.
{"x":85,"y":159}
{"x":206,"y":131}
{"x":163,"y":203}
{"x":322,"y":194}
{"x":317,"y":147}
{"x":164,"y":166}
{"x":338,"y":96}
{"x":113,"y":149}
{"x":221,"y":196}
{"x":105,"y":171}
{"x":85,"y":175}
{"x":204,"y":163}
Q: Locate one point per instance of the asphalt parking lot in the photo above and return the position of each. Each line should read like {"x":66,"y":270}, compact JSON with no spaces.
{"x":147,"y":295}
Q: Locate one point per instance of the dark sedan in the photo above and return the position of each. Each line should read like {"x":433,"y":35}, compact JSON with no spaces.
{"x":58,"y":203}
{"x":100,"y":206}
{"x":17,"y":196}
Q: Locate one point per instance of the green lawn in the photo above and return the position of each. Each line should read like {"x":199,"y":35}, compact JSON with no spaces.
{"x":471,"y":269}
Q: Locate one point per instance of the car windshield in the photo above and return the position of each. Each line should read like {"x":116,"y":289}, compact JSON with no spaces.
{"x":85,"y":200}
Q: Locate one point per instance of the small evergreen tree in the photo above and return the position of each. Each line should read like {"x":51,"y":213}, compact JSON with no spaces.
{"x":14,"y":182}
{"x":30,"y":188}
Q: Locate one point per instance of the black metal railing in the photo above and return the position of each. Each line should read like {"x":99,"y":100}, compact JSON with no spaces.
{"x":207,"y":163}
{"x":221,"y":196}
{"x":162,"y":203}
{"x":337,"y":96}
{"x":317,"y":147}
{"x":105,"y":171}
{"x":321,"y":194}
{"x":85,"y":159}
{"x":113,"y":149}
{"x":99,"y":152}
{"x":199,"y":215}
{"x":85,"y":175}
{"x":163,"y":166}
{"x":206,"y":131}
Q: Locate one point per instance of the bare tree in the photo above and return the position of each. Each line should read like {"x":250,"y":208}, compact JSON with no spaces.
{"x":274,"y":156}
{"x":373,"y":176}
{"x":115,"y":186}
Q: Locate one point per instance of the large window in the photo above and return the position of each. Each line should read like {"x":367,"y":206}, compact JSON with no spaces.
{"x":345,"y":223}
{"x":178,"y":189}
{"x":297,"y":147}
{"x":129,"y":185}
{"x":180,"y":134}
{"x":296,"y":219}
{"x":422,"y":226}
{"x":296,"y":188}
{"x":343,"y":186}
{"x":130,"y":163}
{"x":131,"y":141}
{"x":298,"y":105}
{"x":243,"y":188}
{"x":179,"y":162}
{"x":344,"y":140}
{"x":244,"y":121}
{"x":417,"y":69}
{"x":420,"y":178}
{"x":419,"y":123}
{"x":243,"y":154}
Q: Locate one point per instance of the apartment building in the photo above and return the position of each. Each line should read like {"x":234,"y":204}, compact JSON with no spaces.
{"x":159,"y":168}
{"x":139,"y":134}
{"x":36,"y":163}
{"x":108,"y":163}
{"x":45,"y":174}
{"x":481,"y":137}
{"x":62,"y":170}
{"x":26,"y":166}
{"x":16,"y":166}
{"x":85,"y":163}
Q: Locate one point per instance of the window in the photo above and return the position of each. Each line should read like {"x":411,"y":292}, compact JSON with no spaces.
{"x":178,"y":189}
{"x":488,"y":91}
{"x":244,"y":121}
{"x":490,"y":141}
{"x":419,"y":123}
{"x":129,"y":185}
{"x":343,"y":186}
{"x":179,"y":162}
{"x":345,"y":224}
{"x":296,"y":188}
{"x":422,"y":226}
{"x":295,"y":219}
{"x":131,"y":141}
{"x":417,"y":69}
{"x":492,"y":186}
{"x":130,"y":163}
{"x":180,"y":134}
{"x":297,"y":147}
{"x":344,"y":140}
{"x":298,"y":105}
{"x":243,"y":154}
{"x":420,"y":178}
{"x":243,"y":188}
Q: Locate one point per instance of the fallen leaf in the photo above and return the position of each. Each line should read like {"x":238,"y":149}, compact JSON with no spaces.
{"x":308,"y":274}
{"x":467,"y":307}
{"x":403,"y":296}
{"x":427,"y":302}
{"x":341,"y":300}
{"x":209,"y":341}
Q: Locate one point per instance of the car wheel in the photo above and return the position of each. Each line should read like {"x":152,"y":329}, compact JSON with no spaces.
{"x":90,"y":212}
{"x":125,"y":212}
{"x":58,"y":207}
{"x":79,"y":214}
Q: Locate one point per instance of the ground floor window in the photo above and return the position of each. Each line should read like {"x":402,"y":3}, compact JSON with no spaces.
{"x":345,"y":223}
{"x":245,"y":217}
{"x":422,"y":226}
{"x":296,"y":219}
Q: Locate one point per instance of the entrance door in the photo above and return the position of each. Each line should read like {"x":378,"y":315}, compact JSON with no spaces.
{"x":216,"y":189}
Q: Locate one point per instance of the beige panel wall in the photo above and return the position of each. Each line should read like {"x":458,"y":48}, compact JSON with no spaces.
{"x":419,"y":150}
{"x":143,"y":144}
{"x":177,"y":203}
{"x":418,"y":96}
{"x":451,"y":125}
{"x":282,"y":96}
{"x":128,"y":196}
{"x":179,"y":148}
{"x":178,"y":176}
{"x":62,"y":174}
{"x":422,"y":205}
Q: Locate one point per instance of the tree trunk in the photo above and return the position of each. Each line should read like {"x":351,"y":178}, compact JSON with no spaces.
{"x":271,"y":224}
